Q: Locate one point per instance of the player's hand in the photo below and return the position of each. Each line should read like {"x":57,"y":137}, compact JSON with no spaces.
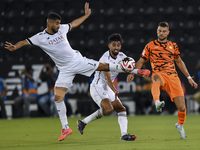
{"x":87,"y":9}
{"x":9,"y":46}
{"x":116,"y":94}
{"x":192,"y":83}
{"x":130,"y":77}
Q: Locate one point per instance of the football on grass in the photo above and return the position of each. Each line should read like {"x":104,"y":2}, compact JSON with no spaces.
{"x":127,"y":64}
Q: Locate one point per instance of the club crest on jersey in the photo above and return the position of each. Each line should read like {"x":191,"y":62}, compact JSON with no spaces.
{"x":56,"y":40}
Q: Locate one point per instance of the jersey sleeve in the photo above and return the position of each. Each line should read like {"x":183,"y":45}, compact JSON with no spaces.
{"x":103,"y":60}
{"x":34,"y":40}
{"x":123,"y":55}
{"x":177,"y":52}
{"x":145,"y":52}
{"x":66,"y":27}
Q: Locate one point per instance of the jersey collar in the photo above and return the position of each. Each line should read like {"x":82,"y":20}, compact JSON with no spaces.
{"x":48,"y":32}
{"x":162,"y":42}
{"x":111,"y":55}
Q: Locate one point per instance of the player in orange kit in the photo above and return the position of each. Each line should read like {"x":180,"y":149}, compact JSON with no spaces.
{"x":162,"y":54}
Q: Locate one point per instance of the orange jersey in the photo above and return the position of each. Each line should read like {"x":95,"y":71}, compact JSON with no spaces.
{"x":161,"y":56}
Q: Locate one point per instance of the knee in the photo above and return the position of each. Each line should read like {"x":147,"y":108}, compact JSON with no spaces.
{"x":156,"y":78}
{"x":58,"y":98}
{"x":41,"y":102}
{"x":108,"y":110}
{"x":120,"y":109}
{"x":182,"y":108}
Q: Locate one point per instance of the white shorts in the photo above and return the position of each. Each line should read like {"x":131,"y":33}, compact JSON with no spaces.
{"x":101,"y":91}
{"x":78,"y":65}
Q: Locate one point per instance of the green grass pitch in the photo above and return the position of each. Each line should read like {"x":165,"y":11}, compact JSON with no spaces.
{"x":154,"y":132}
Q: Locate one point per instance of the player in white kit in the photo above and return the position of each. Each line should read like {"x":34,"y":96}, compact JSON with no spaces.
{"x":54,"y":42}
{"x":104,"y":93}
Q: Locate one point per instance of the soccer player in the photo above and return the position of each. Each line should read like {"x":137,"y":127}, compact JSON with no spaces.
{"x":104,"y":93}
{"x":162,"y":54}
{"x":54,"y":42}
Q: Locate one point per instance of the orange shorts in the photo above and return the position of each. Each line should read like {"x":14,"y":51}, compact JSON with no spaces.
{"x":171,"y":84}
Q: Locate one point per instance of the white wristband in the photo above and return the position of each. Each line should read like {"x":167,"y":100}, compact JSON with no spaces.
{"x":189,"y":77}
{"x":135,"y":71}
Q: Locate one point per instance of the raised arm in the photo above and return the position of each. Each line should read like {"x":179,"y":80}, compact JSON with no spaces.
{"x":18,"y":45}
{"x":184,"y":70}
{"x":75,"y":23}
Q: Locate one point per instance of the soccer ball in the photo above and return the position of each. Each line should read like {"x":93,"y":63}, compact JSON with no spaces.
{"x":127,"y":64}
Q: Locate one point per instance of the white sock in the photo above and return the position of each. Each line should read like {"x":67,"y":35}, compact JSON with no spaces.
{"x":157,"y":101}
{"x":135,"y":71}
{"x":62,"y":114}
{"x":115,"y":68}
{"x":123,"y":122}
{"x":96,"y":115}
{"x":180,"y":126}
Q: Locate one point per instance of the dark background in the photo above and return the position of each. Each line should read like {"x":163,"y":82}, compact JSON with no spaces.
{"x":135,"y":20}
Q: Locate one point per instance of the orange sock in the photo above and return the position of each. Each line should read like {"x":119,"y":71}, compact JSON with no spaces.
{"x":155,"y":91}
{"x":181,"y":117}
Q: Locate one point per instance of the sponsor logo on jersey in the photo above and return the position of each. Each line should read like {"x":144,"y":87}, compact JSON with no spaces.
{"x":56,"y":40}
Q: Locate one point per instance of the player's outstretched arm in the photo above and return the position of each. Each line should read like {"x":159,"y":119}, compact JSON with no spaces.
{"x":75,"y":23}
{"x":18,"y":45}
{"x":184,"y":70}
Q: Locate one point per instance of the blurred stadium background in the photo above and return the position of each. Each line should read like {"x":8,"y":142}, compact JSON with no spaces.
{"x":135,"y":20}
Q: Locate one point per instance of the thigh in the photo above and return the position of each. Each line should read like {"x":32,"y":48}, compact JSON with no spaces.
{"x":158,"y":77}
{"x":59,"y":93}
{"x":65,"y":79}
{"x":174,"y":88}
{"x":86,"y":66}
{"x":18,"y":100}
{"x":117,"y":105}
{"x":44,"y":98}
{"x":31,"y":99}
{"x":98,"y":93}
{"x":106,"y":104}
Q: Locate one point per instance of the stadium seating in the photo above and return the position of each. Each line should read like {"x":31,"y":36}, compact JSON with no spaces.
{"x":135,"y":20}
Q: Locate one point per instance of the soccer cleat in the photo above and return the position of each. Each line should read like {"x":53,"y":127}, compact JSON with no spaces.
{"x":143,"y":72}
{"x":181,"y":131}
{"x":128,"y":137}
{"x":159,"y":106}
{"x":81,"y":126}
{"x":65,"y":133}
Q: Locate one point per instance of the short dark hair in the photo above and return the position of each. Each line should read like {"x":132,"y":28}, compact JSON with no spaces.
{"x":54,"y":16}
{"x":163,"y":24}
{"x":114,"y":37}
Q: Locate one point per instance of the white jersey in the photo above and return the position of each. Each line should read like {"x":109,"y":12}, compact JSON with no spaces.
{"x":55,"y":45}
{"x":107,"y":58}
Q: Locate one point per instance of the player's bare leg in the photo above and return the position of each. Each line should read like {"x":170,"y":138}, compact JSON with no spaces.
{"x":180,"y":104}
{"x":60,"y":105}
{"x":122,"y":120}
{"x":106,"y":108}
{"x":117,"y":68}
{"x":155,"y":90}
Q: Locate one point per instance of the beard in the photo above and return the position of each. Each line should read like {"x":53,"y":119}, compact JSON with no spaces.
{"x":115,"y":53}
{"x":162,"y":38}
{"x":54,"y":30}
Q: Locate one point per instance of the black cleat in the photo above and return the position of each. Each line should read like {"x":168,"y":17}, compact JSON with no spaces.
{"x":128,"y":137}
{"x":81,"y":126}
